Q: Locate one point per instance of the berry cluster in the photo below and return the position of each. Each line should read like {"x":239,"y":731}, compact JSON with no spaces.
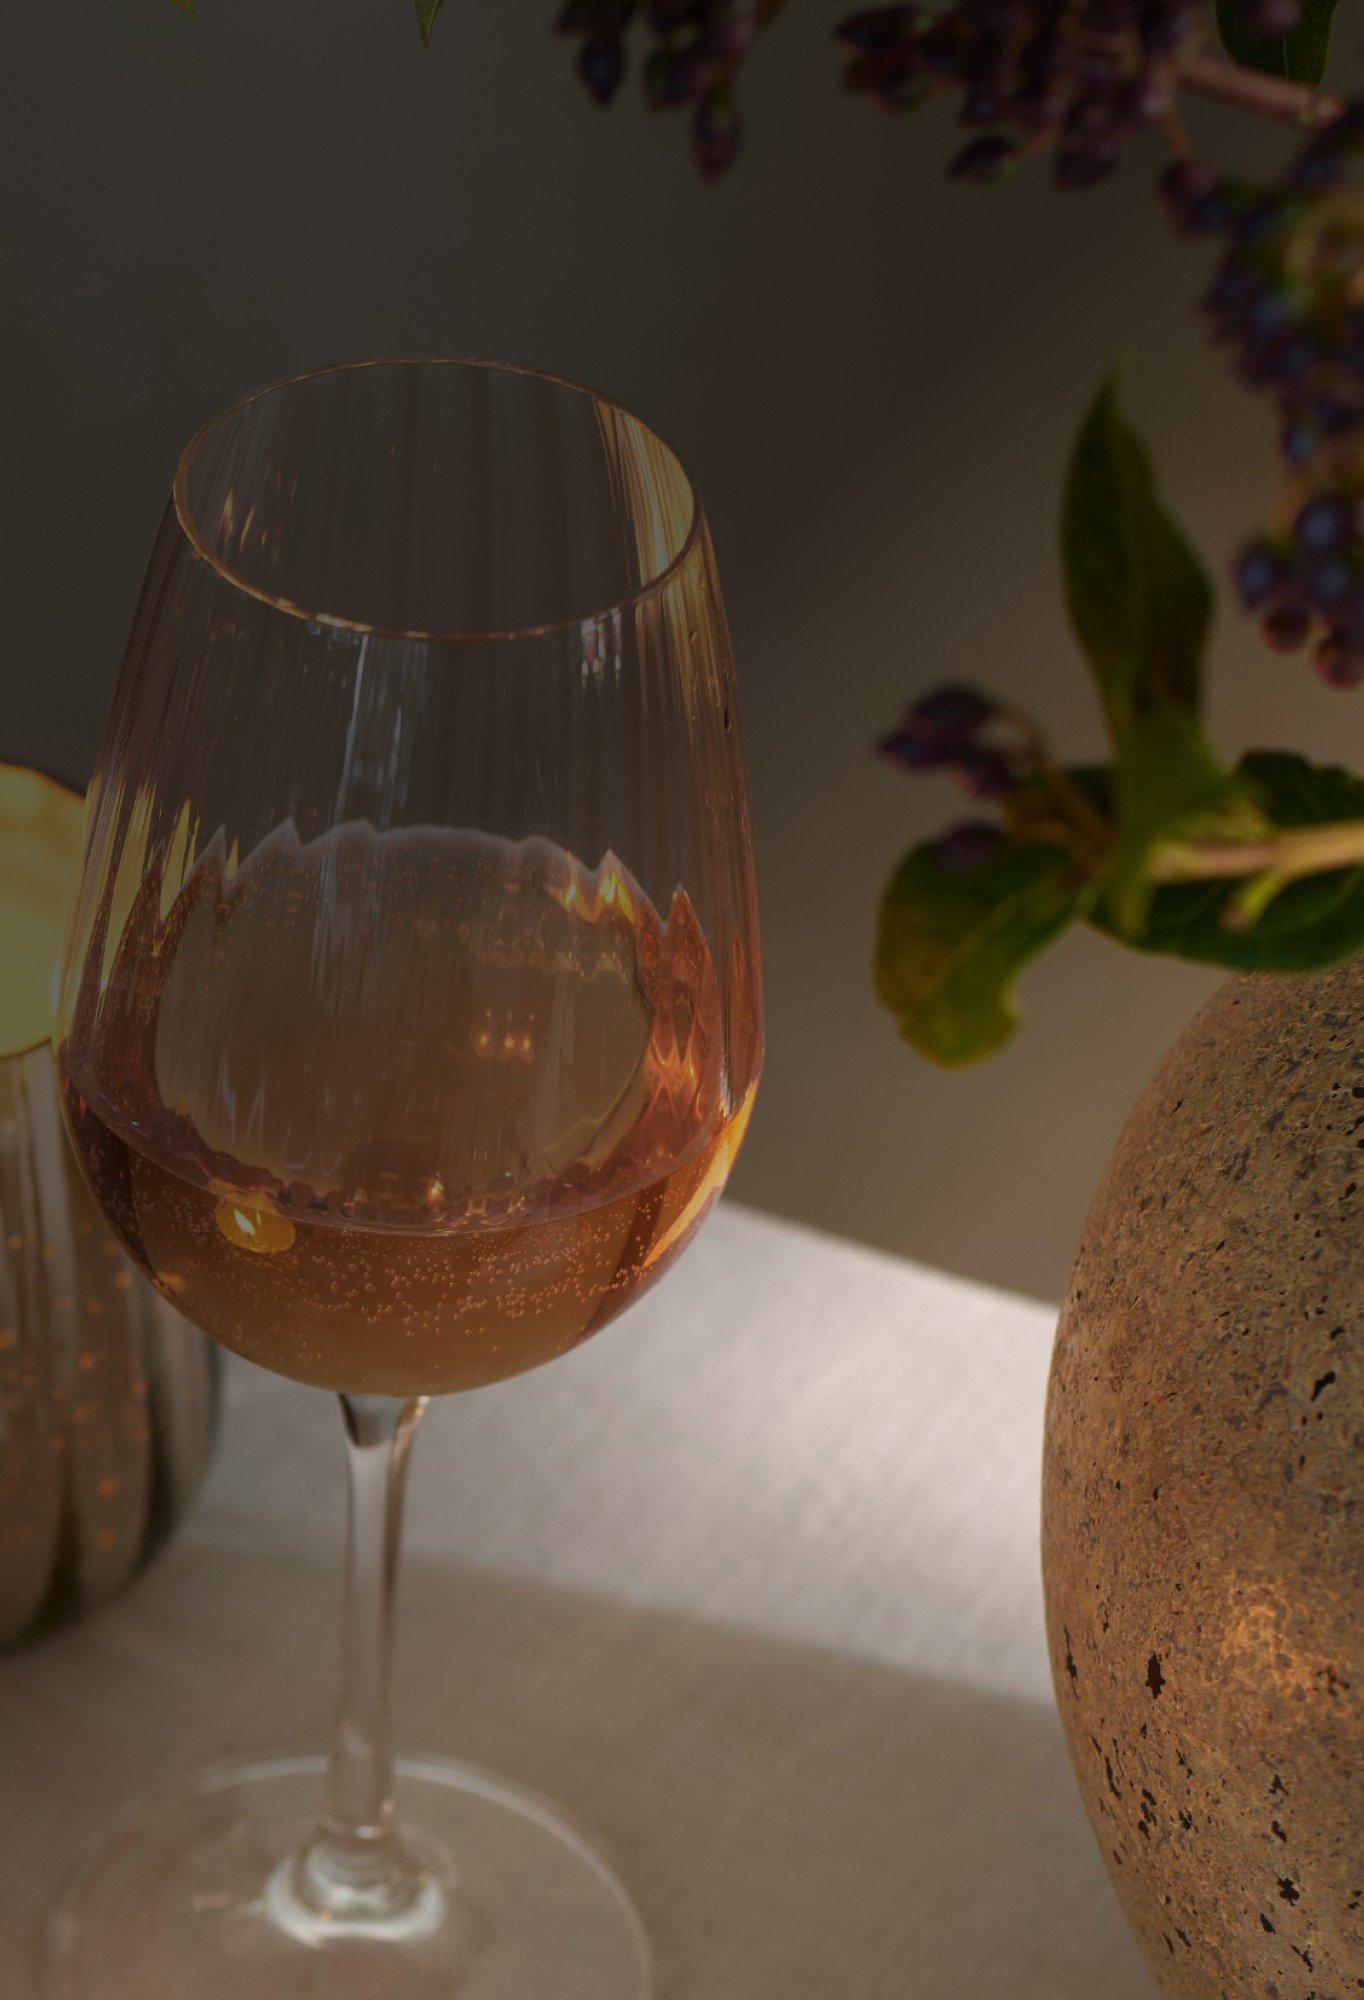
{"x":968,"y":844}
{"x":1083,"y":76}
{"x":697,"y":48}
{"x":1310,"y":583}
{"x":1287,"y":301}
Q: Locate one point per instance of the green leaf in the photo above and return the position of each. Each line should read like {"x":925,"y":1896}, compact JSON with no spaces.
{"x":1300,"y":55}
{"x":427,"y":11}
{"x":1138,"y":595}
{"x":186,"y":7}
{"x":1141,"y":604}
{"x":1311,"y":922}
{"x":951,"y":942}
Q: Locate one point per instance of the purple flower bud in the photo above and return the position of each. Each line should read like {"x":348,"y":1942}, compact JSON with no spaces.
{"x":1036,"y":59}
{"x":716,"y":136}
{"x":913,"y":750}
{"x":1333,"y":416}
{"x":952,"y":711}
{"x":1214,"y":210}
{"x":1163,"y":27}
{"x":1286,"y":627}
{"x":1267,"y":19}
{"x":1259,"y":573}
{"x":671,"y":79}
{"x":1000,"y":19}
{"x":1143,"y":99}
{"x":892,"y":81}
{"x":603,"y":20}
{"x":984,"y":64}
{"x":983,"y":774}
{"x":1230,"y":291}
{"x":985,"y":160}
{"x":1330,"y":581}
{"x":601,"y":65}
{"x":1289,"y":358}
{"x":1260,"y":225}
{"x":876,"y":29}
{"x":1183,"y":185}
{"x":968,"y":845}
{"x":725,"y":36}
{"x":1319,"y":167}
{"x":1300,"y":440}
{"x":981,"y":105}
{"x":1090,"y":116}
{"x":1338,"y":665}
{"x":1325,"y":522}
{"x":941,"y":49}
{"x":1092,"y":69}
{"x":1036,"y":106}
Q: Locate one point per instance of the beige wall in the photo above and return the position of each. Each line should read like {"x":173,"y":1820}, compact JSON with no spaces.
{"x":872,"y":373}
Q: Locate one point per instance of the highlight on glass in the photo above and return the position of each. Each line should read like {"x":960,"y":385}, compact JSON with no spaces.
{"x":409,"y":1022}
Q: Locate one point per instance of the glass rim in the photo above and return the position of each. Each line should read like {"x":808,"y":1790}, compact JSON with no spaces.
{"x":189,"y":527}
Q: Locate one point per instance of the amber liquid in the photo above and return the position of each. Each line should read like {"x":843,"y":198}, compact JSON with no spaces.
{"x":403,"y":1113}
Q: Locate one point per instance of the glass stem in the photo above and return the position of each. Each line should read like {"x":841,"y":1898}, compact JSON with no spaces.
{"x":355,"y":1866}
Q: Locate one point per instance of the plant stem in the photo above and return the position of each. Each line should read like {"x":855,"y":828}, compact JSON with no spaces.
{"x":1271,"y":96}
{"x":1296,"y":850}
{"x":1180,"y":144}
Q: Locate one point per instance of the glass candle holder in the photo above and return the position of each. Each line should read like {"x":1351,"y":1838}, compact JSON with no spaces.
{"x":108,"y":1398}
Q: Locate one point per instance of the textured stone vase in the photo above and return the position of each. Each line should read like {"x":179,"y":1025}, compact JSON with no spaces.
{"x":1203,"y":1530}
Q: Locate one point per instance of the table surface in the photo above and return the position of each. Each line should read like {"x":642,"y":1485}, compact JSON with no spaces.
{"x":749,"y":1583}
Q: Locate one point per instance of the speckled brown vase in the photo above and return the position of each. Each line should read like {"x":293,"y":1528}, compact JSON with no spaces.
{"x":1203,"y":1511}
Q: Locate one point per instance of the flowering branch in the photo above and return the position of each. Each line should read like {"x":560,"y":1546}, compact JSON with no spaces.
{"x":1117,"y":845}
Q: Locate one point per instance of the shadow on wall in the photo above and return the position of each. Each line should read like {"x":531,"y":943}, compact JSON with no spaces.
{"x":796,"y":1825}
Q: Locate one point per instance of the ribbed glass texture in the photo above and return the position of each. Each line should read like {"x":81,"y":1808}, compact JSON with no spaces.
{"x":108,"y":1401}
{"x":411,"y":1004}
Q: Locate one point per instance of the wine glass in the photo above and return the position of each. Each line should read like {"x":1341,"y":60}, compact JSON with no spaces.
{"x":409,"y":1022}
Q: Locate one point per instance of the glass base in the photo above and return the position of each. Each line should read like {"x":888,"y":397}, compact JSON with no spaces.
{"x":195,"y":1895}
